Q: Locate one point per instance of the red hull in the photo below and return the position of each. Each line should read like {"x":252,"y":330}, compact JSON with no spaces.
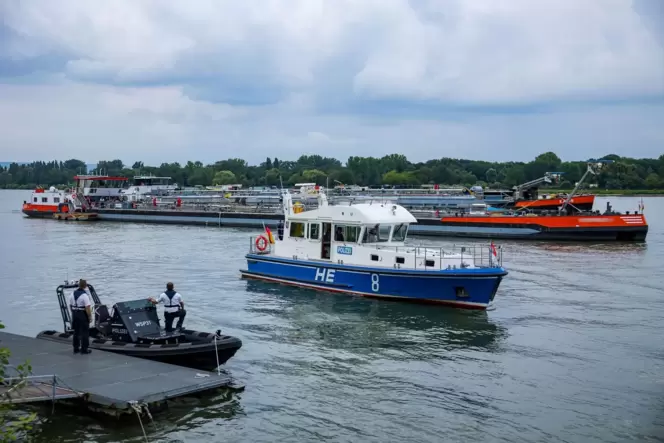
{"x":630,"y":227}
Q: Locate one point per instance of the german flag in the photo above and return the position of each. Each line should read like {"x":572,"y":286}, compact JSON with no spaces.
{"x":270,"y":237}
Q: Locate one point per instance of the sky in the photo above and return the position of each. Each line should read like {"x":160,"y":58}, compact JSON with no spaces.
{"x":169,"y":80}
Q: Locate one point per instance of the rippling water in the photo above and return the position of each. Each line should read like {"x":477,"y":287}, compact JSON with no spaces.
{"x":571,"y":353}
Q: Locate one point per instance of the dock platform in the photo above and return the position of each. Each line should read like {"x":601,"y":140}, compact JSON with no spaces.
{"x":104,"y":381}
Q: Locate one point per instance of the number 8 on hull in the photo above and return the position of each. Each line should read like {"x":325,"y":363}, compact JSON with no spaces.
{"x":361,"y":249}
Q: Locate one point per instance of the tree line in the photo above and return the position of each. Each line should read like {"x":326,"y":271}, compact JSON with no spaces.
{"x":390,"y":170}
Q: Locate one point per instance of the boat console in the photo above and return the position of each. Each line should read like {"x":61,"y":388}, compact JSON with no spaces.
{"x":134,"y":321}
{"x":137,"y":321}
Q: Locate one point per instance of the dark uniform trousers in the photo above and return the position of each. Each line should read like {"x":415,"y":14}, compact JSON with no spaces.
{"x":170,"y":316}
{"x":80,"y":324}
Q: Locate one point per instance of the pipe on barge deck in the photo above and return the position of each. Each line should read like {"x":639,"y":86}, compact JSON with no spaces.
{"x":424,"y":226}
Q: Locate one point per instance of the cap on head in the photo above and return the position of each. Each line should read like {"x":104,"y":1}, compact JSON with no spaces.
{"x":169,"y":286}
{"x":82,"y":284}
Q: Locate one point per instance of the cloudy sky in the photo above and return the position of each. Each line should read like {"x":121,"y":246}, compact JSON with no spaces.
{"x":162,"y":80}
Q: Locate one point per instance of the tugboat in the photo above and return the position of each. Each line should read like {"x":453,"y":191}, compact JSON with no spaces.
{"x":360,"y":249}
{"x":61,"y":205}
{"x":133,"y":329}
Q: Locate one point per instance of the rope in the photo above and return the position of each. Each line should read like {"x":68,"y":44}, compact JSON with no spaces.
{"x":136,"y":407}
{"x":216,"y":351}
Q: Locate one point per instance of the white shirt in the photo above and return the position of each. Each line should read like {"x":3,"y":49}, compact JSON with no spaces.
{"x":177,"y":299}
{"x":82,"y":302}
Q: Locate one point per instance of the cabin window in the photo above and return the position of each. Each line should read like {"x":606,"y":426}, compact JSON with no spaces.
{"x":400,"y":260}
{"x":34,"y":199}
{"x":430,"y":263}
{"x":44,"y":199}
{"x":399,"y":233}
{"x":314,"y":231}
{"x":346,"y":234}
{"x":297,"y":229}
{"x":377,"y":234}
{"x":56,"y":199}
{"x":374,"y":257}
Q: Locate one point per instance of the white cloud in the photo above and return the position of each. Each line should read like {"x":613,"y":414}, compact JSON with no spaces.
{"x":166,"y":79}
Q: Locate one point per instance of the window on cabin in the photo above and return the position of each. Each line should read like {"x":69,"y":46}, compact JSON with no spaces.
{"x":400,"y":260}
{"x":297,"y":229}
{"x":377,"y":234}
{"x":44,"y":199}
{"x":314,"y":231}
{"x":400,"y":232}
{"x":34,"y":199}
{"x":346,"y":234}
{"x":56,"y":199}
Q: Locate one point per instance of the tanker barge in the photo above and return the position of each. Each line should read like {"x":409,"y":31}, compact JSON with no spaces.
{"x":609,"y":226}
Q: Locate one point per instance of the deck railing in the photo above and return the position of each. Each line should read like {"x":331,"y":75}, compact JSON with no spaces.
{"x":426,"y":257}
{"x":449,"y":257}
{"x":254,"y":245}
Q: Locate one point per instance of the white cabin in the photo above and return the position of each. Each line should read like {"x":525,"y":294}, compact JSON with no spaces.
{"x":145,"y":185}
{"x":364,"y":234}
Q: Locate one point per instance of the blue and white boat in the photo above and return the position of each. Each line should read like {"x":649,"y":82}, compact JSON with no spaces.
{"x":361,"y":249}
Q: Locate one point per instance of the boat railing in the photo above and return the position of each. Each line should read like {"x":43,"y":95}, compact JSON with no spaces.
{"x":256,"y":245}
{"x":479,"y":255}
{"x":450,"y":257}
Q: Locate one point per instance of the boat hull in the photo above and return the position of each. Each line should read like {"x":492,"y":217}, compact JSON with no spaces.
{"x":196,"y":355}
{"x":39,"y":213}
{"x":463,"y":288}
{"x":597,"y":228}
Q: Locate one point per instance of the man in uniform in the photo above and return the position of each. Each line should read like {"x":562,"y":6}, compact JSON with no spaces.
{"x":81,"y":313}
{"x":173,"y":307}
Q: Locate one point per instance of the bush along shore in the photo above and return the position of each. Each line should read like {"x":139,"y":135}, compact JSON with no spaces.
{"x":624,"y":176}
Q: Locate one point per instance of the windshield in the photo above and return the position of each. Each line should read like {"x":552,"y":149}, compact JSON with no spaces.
{"x":399,"y":233}
{"x":377,"y":234}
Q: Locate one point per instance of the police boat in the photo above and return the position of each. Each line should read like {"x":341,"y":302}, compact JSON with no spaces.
{"x":132,"y":328}
{"x":360,"y":249}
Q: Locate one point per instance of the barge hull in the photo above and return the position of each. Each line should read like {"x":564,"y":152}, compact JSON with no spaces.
{"x":424,"y":227}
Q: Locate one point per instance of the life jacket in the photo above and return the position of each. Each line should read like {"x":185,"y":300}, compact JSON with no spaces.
{"x":170,"y":294}
{"x":77,"y":294}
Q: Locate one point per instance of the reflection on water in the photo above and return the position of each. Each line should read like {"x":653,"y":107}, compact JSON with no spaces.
{"x":362,"y":325}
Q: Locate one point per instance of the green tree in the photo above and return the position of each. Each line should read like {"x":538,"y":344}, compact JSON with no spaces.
{"x":13,"y":424}
{"x":224,"y":178}
{"x":653,"y":181}
{"x":314,"y":176}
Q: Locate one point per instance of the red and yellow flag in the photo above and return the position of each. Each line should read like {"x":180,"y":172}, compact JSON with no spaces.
{"x":270,"y":237}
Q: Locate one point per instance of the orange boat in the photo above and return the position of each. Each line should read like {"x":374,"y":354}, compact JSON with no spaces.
{"x":46,"y":203}
{"x":591,"y":227}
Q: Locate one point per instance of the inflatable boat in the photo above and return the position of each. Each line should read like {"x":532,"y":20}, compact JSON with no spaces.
{"x":132,"y":328}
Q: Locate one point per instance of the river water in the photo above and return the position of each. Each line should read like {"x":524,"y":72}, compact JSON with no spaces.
{"x":572,"y":352}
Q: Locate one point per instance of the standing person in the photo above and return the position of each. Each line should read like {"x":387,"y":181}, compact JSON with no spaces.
{"x":173,"y":307}
{"x":81,"y":313}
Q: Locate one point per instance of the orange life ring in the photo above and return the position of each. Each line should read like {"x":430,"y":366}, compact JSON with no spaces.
{"x":261,"y":243}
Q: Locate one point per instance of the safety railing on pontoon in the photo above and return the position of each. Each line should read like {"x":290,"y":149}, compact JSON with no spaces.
{"x":35,"y":388}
